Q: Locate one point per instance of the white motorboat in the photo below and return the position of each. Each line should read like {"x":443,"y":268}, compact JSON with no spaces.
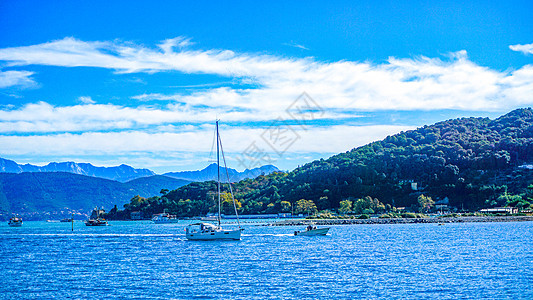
{"x":312,"y":231}
{"x":164,"y":218}
{"x":15,"y":222}
{"x":208,"y":231}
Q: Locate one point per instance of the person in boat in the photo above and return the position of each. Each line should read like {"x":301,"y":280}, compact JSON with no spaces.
{"x":310,"y":227}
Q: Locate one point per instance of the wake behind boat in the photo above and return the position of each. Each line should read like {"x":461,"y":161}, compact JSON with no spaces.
{"x":208,"y":231}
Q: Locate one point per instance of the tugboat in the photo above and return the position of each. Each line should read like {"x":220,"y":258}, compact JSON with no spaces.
{"x":95,"y":219}
{"x":15,"y":222}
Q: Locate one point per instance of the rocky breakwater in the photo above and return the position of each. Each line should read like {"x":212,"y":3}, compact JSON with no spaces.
{"x":323,"y":222}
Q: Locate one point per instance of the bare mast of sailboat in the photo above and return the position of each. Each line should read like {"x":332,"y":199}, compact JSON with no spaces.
{"x":218,"y":172}
{"x":221,"y":149}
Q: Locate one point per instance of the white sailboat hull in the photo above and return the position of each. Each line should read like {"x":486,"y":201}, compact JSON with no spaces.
{"x":216,"y":235}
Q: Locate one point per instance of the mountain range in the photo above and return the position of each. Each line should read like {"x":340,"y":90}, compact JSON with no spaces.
{"x":120,"y":173}
{"x":210,"y":173}
{"x":124,"y":173}
{"x":61,"y":188}
{"x":38,"y":195}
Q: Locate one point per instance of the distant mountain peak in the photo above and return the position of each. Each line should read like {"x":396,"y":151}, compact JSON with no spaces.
{"x":120,"y":173}
{"x":209,"y":173}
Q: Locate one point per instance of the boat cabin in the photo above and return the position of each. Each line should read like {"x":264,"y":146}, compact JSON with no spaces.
{"x":201,"y":228}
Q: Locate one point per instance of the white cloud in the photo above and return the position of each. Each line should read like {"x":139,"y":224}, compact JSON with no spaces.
{"x":180,"y":42}
{"x":16,"y":78}
{"x":526,"y":49}
{"x":195,"y":140}
{"x":402,"y":84}
{"x":86,"y":100}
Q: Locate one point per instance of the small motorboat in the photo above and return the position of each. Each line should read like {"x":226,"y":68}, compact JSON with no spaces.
{"x":15,"y":222}
{"x":96,"y":222}
{"x":66,"y":220}
{"x":165,"y":218}
{"x":312,"y":230}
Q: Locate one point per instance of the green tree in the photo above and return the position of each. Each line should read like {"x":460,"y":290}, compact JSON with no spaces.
{"x":306,"y":206}
{"x":285,"y":206}
{"x":227,"y":204}
{"x":425,"y":203}
{"x":345,"y":206}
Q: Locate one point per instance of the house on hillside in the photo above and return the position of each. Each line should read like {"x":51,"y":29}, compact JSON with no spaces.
{"x":136,"y":215}
{"x":411,"y":183}
{"x":443,"y":204}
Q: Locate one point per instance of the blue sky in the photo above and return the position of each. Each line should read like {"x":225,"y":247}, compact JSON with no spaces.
{"x":141,"y":82}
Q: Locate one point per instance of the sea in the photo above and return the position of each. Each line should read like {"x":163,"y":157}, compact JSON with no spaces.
{"x":142,"y":260}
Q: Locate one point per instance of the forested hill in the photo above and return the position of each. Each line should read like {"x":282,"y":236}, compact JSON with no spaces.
{"x":474,"y":162}
{"x":468,"y":160}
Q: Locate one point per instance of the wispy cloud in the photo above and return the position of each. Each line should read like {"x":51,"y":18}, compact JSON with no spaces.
{"x":86,"y":100}
{"x":178,"y":42}
{"x":192,"y":139}
{"x":410,"y":84}
{"x":295,"y":45}
{"x":526,"y":49}
{"x":16,"y":78}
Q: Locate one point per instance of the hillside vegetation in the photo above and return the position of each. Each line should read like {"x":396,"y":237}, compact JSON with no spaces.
{"x":473,"y":162}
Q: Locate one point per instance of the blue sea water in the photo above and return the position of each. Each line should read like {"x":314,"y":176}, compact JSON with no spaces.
{"x":141,"y":260}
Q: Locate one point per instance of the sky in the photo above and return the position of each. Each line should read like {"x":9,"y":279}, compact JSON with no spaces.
{"x":142,"y":82}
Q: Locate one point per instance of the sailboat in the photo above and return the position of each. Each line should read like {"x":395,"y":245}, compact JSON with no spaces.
{"x":208,"y":231}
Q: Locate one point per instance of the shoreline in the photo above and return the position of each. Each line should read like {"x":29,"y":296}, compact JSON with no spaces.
{"x":469,"y":219}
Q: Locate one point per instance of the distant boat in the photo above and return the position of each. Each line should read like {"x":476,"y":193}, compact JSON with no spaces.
{"x":97,"y":221}
{"x":164,"y":218}
{"x":312,"y":231}
{"x":66,"y":220}
{"x":15,"y":222}
{"x":208,"y":231}
{"x":209,"y":218}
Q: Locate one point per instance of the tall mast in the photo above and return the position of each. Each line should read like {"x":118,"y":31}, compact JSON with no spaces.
{"x":218,"y":173}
